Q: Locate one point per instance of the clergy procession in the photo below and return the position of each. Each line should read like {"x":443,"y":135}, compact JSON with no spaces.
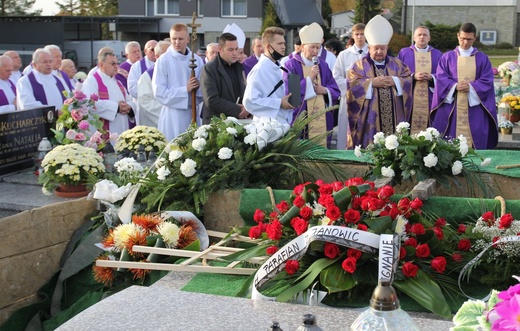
{"x":350,"y":94}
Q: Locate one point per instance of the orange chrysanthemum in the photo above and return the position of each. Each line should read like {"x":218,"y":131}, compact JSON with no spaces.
{"x":138,"y":238}
{"x":148,"y":222}
{"x":187,"y":234}
{"x":108,"y":241}
{"x":140,"y":273}
{"x":104,"y":275}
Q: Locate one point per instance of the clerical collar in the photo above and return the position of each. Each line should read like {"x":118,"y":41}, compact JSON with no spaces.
{"x":466,"y":52}
{"x":379,"y":63}
{"x":422,"y":50}
{"x":307,"y":62}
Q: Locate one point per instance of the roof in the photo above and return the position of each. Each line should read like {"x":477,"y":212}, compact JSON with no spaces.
{"x":297,"y":12}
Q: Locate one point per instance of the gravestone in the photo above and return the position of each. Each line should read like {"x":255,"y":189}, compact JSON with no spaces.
{"x":20,"y":135}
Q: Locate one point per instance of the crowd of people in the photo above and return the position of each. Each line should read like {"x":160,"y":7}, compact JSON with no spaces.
{"x":373,"y":91}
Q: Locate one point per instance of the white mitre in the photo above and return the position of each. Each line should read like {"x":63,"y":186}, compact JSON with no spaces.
{"x":237,"y":31}
{"x":311,"y":34}
{"x":378,"y":31}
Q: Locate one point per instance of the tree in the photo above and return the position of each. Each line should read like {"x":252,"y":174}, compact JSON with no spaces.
{"x":71,"y":7}
{"x":88,"y":7}
{"x":18,"y":8}
{"x":366,"y":9}
{"x":270,"y":17}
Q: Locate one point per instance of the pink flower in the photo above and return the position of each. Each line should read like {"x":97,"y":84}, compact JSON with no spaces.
{"x":76,"y":115}
{"x":79,"y":136}
{"x":71,"y":134}
{"x":94,"y":97}
{"x":96,"y":137}
{"x":69,"y":101}
{"x":90,"y":144}
{"x":113,"y":137}
{"x":508,"y":313}
{"x":83,"y":125}
{"x":79,"y":95}
{"x":510,"y":292}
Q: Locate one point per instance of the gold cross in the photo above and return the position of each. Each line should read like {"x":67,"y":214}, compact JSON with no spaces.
{"x":193,"y":27}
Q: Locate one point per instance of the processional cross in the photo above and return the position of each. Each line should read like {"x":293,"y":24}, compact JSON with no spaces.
{"x":193,"y":27}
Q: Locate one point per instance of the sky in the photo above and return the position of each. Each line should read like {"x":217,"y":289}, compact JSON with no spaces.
{"x":49,"y":7}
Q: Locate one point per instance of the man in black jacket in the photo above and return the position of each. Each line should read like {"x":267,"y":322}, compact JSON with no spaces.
{"x":223,"y":82}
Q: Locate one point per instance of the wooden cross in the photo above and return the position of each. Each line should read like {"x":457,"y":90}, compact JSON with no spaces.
{"x":193,"y":27}
{"x":193,"y":66}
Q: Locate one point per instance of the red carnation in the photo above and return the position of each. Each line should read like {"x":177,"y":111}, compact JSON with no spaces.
{"x":349,"y":265}
{"x":306,"y":212}
{"x":422,"y":250}
{"x":464,"y":245}
{"x":271,"y":250}
{"x":351,"y":252}
{"x":333,"y":212}
{"x":274,"y":230}
{"x":259,"y":216}
{"x":298,"y":201}
{"x":461,"y":229}
{"x":409,"y":269}
{"x":283,"y":206}
{"x":331,"y":250}
{"x":439,"y":264}
{"x":291,"y":266}
{"x":418,"y":229}
{"x":352,"y":216}
{"x":255,"y":232}
{"x":505,"y":221}
{"x":299,"y":224}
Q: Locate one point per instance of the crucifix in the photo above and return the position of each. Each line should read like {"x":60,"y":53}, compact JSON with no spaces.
{"x":193,"y":27}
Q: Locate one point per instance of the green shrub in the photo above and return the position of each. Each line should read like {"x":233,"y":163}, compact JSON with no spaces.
{"x":397,"y":42}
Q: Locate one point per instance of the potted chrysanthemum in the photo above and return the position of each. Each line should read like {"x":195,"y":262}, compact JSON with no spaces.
{"x":506,"y":127}
{"x":68,"y":167}
{"x":148,"y":137}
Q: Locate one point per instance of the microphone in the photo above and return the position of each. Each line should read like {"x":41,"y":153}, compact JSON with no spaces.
{"x":314,"y":60}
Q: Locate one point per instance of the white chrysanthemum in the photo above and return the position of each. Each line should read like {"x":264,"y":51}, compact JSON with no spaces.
{"x":391,"y":142}
{"x":463,"y":148}
{"x":357,"y":151}
{"x":188,"y":168}
{"x":174,"y":155}
{"x":324,"y":221}
{"x":129,"y":165}
{"x":401,"y":127}
{"x":232,"y":131}
{"x":170,"y":233}
{"x":250,"y":139}
{"x":434,"y":132}
{"x":162,"y":172}
{"x":198,"y":144}
{"x":379,"y":138}
{"x":427,"y":135}
{"x":225,"y":153}
{"x":456,"y":168}
{"x":463,"y":139}
{"x":202,"y":131}
{"x":486,"y":162}
{"x":400,"y":226}
{"x":123,"y":232}
{"x":317,"y":209}
{"x":387,"y":172}
{"x":430,"y":160}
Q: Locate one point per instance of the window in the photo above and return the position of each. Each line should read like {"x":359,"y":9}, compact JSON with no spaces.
{"x":234,"y":8}
{"x":169,"y":7}
{"x":200,"y":8}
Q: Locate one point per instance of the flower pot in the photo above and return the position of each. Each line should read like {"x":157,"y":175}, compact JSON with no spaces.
{"x":506,"y":80}
{"x":71,"y":191}
{"x":506,"y":130}
{"x":514,"y":117}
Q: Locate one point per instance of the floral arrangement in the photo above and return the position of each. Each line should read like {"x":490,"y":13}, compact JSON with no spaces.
{"x":500,"y":313}
{"x":70,"y":164}
{"x":506,"y":69}
{"x":76,"y":119}
{"x":506,"y":124}
{"x":512,"y":101}
{"x":226,"y":154}
{"x":148,"y":137}
{"x":402,"y":156}
{"x":432,"y":251}
{"x":152,"y":229}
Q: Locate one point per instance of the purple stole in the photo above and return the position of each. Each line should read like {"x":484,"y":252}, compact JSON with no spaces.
{"x":67,"y":80}
{"x":103,"y":95}
{"x":122,"y":73}
{"x":3,"y":97}
{"x":143,"y":65}
{"x":323,"y":55}
{"x":39,"y":92}
{"x":149,"y":71}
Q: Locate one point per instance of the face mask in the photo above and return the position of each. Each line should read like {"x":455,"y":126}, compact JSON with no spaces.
{"x":274,"y":54}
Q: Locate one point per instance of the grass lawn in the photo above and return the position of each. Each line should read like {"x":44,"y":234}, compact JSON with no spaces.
{"x":496,"y":61}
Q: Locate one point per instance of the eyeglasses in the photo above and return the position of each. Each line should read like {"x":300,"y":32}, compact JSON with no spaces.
{"x":467,"y":39}
{"x":151,"y":49}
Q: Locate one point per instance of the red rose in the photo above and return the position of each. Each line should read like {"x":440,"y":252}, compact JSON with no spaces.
{"x":299,"y":224}
{"x":333,"y":212}
{"x":255,"y":232}
{"x":505,"y":221}
{"x":438,"y":233}
{"x":440,"y":222}
{"x":298,"y":201}
{"x":351,"y":252}
{"x":416,"y":204}
{"x":411,"y":242}
{"x":418,"y":229}
{"x":356,"y":203}
{"x":494,"y":240}
{"x":283,"y":206}
{"x":409,"y":269}
{"x":336,"y":186}
{"x":402,"y":253}
{"x":274,"y":230}
{"x":354,"y":181}
{"x":352,"y":216}
{"x":403,"y":204}
{"x":319,"y":182}
{"x":365,"y":205}
{"x":271,"y":250}
{"x":291,"y":266}
{"x":394,"y":212}
{"x":456,"y":257}
{"x":331,"y":250}
{"x":306,"y":212}
{"x":299,"y":188}
{"x":259,"y":216}
{"x":362,"y":227}
{"x":385,"y":192}
{"x":439,"y":264}
{"x":464,"y":245}
{"x":349,"y":265}
{"x":488,"y":216}
{"x":376,"y":204}
{"x":422,"y":250}
{"x":325,"y":189}
{"x":273,"y":215}
{"x":461,"y":229}
{"x":326,"y":200}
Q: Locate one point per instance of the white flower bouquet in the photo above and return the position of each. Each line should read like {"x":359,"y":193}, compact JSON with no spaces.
{"x":70,"y":164}
{"x":149,"y":137}
{"x":506,"y":69}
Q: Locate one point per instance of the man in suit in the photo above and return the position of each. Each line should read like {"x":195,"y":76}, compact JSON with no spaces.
{"x":223,"y":82}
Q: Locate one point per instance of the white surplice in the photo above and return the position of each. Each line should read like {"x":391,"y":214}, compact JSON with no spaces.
{"x":9,"y":94}
{"x":149,"y":107}
{"x":26,"y":99}
{"x":169,"y":81}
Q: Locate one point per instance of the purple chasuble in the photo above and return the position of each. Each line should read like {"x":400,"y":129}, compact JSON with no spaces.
{"x":482,"y":117}
{"x":249,"y":63}
{"x":39,"y":92}
{"x":3,"y":97}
